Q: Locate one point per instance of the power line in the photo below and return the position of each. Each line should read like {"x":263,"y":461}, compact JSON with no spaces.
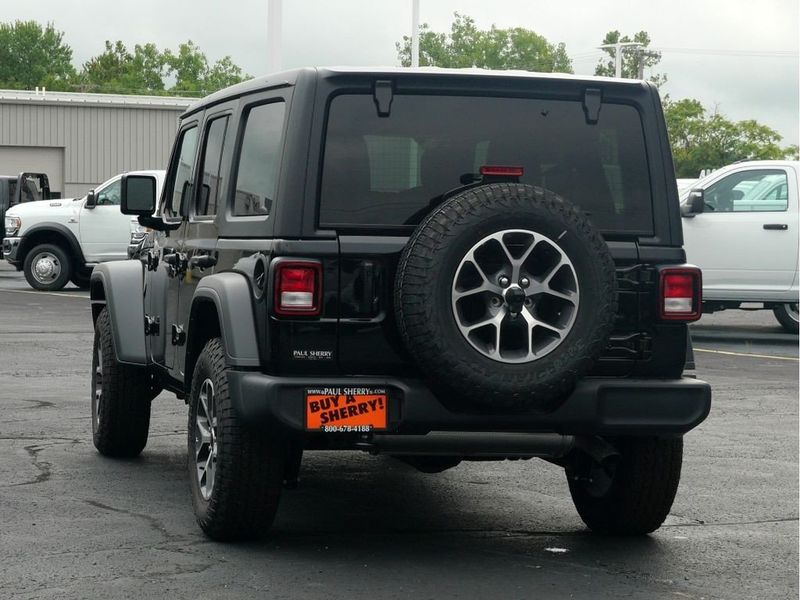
{"x":729,"y":52}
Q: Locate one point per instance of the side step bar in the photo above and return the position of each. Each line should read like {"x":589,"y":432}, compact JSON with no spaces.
{"x":471,"y":444}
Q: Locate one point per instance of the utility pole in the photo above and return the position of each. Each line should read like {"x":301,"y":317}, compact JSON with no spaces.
{"x":618,"y":54}
{"x":274,"y":34}
{"x":414,"y":33}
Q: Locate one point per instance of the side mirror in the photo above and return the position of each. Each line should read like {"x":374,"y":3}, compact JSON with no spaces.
{"x":91,"y":200}
{"x":138,"y":195}
{"x":737,"y":195}
{"x":695,"y":203}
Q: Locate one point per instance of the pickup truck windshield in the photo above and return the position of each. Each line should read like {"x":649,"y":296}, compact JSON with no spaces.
{"x":390,"y":170}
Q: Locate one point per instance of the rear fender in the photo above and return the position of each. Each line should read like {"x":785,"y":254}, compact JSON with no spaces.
{"x":119,"y":287}
{"x":231,"y":295}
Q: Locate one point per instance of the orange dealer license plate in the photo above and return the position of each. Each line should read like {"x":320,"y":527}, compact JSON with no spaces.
{"x":346,"y":409}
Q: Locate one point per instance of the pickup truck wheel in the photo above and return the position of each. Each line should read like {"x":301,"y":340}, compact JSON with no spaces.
{"x":236,"y":473}
{"x":47,"y":267}
{"x":632,"y":493}
{"x":788,"y":317}
{"x":121,"y":397}
{"x":505,"y":295}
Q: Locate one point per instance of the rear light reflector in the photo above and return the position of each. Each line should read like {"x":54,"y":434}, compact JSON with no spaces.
{"x":298,"y":288}
{"x":681,"y":294}
{"x":501,"y":171}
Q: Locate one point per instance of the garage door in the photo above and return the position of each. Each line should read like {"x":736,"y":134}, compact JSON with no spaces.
{"x":16,"y":159}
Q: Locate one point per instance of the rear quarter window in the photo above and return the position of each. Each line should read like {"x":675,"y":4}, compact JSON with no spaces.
{"x":390,"y":171}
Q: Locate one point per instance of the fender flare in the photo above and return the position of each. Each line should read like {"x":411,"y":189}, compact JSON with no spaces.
{"x":119,"y":286}
{"x":231,"y":295}
{"x":62,"y":230}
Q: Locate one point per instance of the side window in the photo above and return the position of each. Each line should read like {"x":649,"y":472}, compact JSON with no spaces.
{"x":109,"y":195}
{"x":762,"y":190}
{"x":179,"y":180}
{"x":212,"y":157}
{"x":259,"y":158}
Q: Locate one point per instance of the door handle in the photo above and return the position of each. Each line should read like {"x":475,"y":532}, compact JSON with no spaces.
{"x":776,"y":226}
{"x":177,"y":262}
{"x":202,"y":261}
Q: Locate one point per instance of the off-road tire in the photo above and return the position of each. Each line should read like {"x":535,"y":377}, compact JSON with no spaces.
{"x":63,"y":277}
{"x":422,"y":298}
{"x":121,"y":428}
{"x":785,"y":318}
{"x":250,"y":463}
{"x":642,"y":489}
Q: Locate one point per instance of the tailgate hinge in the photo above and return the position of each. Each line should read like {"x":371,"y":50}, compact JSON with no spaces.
{"x":592,"y":99}
{"x":383,"y":97}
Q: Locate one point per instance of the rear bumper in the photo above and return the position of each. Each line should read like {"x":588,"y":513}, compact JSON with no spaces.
{"x":597,"y":406}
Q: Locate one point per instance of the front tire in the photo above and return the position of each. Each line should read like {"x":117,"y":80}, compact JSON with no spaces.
{"x":236,"y":473}
{"x":121,"y":396}
{"x":632,"y":494}
{"x":47,"y":267}
{"x":788,"y":317}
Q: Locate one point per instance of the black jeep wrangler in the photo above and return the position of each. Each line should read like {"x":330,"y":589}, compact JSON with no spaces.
{"x":434,"y":265}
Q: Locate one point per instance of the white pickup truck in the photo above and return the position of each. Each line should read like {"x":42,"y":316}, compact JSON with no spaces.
{"x":740,"y":227}
{"x":57,"y":241}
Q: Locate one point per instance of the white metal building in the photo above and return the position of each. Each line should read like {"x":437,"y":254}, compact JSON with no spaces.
{"x":80,"y":140}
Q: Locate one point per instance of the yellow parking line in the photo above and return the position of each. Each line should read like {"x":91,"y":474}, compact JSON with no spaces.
{"x":772,"y":356}
{"x":37,"y":292}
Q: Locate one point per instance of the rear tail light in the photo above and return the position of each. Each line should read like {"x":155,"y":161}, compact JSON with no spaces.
{"x":298,"y":288}
{"x":681,"y":294}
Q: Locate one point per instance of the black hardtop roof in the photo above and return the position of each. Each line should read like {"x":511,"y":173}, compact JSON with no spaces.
{"x":290,"y":77}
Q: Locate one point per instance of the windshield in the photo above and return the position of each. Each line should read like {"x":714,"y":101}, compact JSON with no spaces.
{"x":391,"y":170}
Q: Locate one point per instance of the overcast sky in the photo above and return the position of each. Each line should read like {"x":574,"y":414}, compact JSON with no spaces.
{"x":745,"y":80}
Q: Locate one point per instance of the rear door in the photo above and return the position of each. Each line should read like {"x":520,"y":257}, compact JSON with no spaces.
{"x":200,"y":240}
{"x":382,"y":174}
{"x":746,"y":241}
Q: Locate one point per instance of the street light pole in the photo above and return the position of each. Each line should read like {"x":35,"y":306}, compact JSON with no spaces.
{"x":414,"y":33}
{"x":618,"y":54}
{"x":274,"y":33}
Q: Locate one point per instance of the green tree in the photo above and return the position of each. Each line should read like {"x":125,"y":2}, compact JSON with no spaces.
{"x":702,"y":139}
{"x":32,"y":55}
{"x":117,"y":71}
{"x":194,"y":75}
{"x":495,"y":48}
{"x":634,"y":58}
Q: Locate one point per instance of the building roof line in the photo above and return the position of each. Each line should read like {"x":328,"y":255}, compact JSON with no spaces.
{"x":90,"y":99}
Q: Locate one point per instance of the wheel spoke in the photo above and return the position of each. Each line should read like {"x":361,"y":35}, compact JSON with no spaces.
{"x":547,"y":278}
{"x":516,"y":263}
{"x":205,"y":444}
{"x":205,"y":432}
{"x":495,"y":320}
{"x":568,"y":296}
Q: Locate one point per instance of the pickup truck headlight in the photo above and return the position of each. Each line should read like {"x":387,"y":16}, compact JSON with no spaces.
{"x":13,"y":225}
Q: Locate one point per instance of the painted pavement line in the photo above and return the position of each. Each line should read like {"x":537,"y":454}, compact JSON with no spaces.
{"x":37,"y":292}
{"x":770,"y":356}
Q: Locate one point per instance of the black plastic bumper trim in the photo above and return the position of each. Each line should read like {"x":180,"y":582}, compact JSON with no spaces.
{"x":597,"y":406}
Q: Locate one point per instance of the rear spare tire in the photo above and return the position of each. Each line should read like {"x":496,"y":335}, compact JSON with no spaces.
{"x":505,"y":295}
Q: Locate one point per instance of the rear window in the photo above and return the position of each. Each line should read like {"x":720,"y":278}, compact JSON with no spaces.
{"x":389,"y":171}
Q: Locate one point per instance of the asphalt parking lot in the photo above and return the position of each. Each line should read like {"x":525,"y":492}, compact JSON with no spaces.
{"x":76,"y":525}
